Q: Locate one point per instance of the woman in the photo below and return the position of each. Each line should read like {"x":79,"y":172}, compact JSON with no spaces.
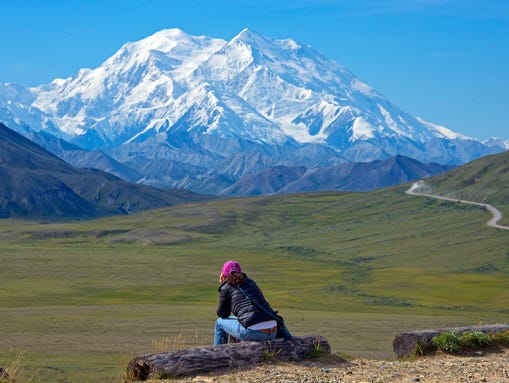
{"x":239,"y":316}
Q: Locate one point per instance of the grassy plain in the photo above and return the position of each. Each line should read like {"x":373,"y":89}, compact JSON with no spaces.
{"x":79,"y":299}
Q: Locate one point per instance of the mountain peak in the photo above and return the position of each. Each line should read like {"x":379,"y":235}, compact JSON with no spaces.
{"x":172,"y":32}
{"x":174,"y":39}
{"x":248,"y":33}
{"x":253,"y":39}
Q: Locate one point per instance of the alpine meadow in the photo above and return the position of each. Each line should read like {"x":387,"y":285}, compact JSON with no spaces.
{"x":80,"y":298}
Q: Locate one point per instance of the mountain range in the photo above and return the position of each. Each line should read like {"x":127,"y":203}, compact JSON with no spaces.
{"x":209,"y":115}
{"x":362,"y":176}
{"x":37,"y":184}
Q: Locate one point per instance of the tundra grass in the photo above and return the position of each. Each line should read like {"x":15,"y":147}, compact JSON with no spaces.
{"x":95,"y":343}
{"x":84,"y":297}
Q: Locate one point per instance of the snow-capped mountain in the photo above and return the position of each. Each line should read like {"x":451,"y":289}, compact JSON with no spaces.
{"x":130,"y":92}
{"x":497,"y":141}
{"x":224,"y":109}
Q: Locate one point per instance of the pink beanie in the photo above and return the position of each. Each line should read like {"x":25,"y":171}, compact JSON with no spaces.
{"x":230,"y":266}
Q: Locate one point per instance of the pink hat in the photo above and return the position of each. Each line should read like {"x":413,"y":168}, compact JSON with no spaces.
{"x":230,"y":266}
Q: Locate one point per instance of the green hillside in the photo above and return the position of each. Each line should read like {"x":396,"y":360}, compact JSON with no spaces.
{"x":484,"y":180}
{"x":80,"y":299}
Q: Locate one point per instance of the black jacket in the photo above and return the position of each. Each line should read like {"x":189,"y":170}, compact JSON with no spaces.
{"x":233,"y":301}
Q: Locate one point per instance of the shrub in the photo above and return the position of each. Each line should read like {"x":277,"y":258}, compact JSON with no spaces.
{"x":447,"y":341}
{"x":316,"y":351}
{"x":475,"y":339}
{"x":501,"y":338}
{"x":452,"y":342}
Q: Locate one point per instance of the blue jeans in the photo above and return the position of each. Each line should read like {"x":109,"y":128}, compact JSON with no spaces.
{"x":231,"y":326}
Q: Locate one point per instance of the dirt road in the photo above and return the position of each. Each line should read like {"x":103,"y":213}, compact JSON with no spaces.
{"x":495,"y":213}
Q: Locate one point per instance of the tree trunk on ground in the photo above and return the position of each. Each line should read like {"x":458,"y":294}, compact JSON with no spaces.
{"x":408,"y":344}
{"x":4,"y":375}
{"x":193,"y":361}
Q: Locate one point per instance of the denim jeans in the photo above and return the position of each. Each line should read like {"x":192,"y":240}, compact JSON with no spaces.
{"x":232,"y":326}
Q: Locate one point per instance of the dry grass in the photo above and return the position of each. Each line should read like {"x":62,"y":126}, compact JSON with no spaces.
{"x":178,"y":342}
{"x":15,"y":372}
{"x":169,"y":343}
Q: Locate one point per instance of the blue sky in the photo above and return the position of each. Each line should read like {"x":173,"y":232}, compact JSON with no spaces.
{"x":446,"y":61}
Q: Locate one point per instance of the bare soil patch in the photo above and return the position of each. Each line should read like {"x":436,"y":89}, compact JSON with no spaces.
{"x":490,"y":367}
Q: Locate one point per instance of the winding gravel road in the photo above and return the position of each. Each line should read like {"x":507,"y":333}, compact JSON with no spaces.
{"x":496,"y":214}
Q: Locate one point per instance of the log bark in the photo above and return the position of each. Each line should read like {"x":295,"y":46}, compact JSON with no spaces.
{"x":4,"y":375}
{"x":193,"y":361}
{"x":409,"y":344}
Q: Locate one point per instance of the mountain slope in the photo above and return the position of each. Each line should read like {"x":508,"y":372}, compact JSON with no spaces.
{"x":202,"y":103}
{"x":82,"y":158}
{"x":28,"y":182}
{"x":347,"y":177}
{"x":36,"y":183}
{"x":483,"y":180}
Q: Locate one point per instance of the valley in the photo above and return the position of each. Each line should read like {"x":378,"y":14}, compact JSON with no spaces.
{"x":80,"y":298}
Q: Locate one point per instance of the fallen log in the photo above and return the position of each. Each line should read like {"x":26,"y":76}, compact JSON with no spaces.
{"x":193,"y":361}
{"x":409,"y":344}
{"x":4,"y":375}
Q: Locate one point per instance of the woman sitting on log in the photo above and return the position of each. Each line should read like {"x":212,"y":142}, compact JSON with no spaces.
{"x":243,"y":311}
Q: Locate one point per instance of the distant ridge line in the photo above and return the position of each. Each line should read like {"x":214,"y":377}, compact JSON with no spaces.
{"x":496,"y":214}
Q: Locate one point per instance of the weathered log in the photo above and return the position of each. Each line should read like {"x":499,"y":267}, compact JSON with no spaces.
{"x":4,"y":375}
{"x":411,"y":343}
{"x":193,"y":361}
